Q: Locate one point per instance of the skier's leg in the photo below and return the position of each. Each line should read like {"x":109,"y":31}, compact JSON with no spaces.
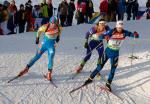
{"x":87,"y":57}
{"x":99,"y":67}
{"x":101,"y":63}
{"x":90,"y":47}
{"x":100,"y":51}
{"x":37,"y":56}
{"x":114,"y":64}
{"x":83,"y":62}
{"x":51,"y":53}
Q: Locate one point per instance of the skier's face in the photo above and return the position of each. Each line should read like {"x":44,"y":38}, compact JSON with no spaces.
{"x":101,"y":27}
{"x":53,"y":25}
{"x":119,"y":29}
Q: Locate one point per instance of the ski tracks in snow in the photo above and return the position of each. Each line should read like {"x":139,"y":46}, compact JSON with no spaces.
{"x":34,"y":88}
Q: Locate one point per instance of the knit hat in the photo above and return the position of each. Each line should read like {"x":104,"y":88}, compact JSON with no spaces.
{"x":119,"y":24}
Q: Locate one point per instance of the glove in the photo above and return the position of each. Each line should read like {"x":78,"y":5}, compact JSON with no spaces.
{"x":86,"y":44}
{"x":57,"y":39}
{"x":136,"y":35}
{"x":107,"y":38}
{"x":37,"y":40}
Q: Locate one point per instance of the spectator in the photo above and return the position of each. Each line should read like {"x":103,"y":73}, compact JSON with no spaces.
{"x":45,"y":12}
{"x":90,"y":9}
{"x":37,"y":14}
{"x":28,"y":11}
{"x":71,"y":9}
{"x":5,"y":13}
{"x":103,"y":9}
{"x":135,"y":9}
{"x":129,"y":8}
{"x":21,"y":18}
{"x":5,"y":17}
{"x":81,"y":8}
{"x":50,"y":8}
{"x":12,"y":17}
{"x":1,"y":8}
{"x":1,"y":31}
{"x":112,"y":8}
{"x":121,"y":9}
{"x":62,"y":12}
{"x":148,"y":9}
{"x":148,"y":3}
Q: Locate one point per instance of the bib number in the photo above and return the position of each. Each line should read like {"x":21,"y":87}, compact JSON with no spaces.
{"x":116,"y":44}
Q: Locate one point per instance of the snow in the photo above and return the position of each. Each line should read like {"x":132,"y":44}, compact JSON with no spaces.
{"x":131,"y":82}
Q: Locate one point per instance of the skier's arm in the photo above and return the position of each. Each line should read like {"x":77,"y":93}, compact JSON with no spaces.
{"x":106,"y":35}
{"x":90,"y":32}
{"x":130,"y":34}
{"x":58,"y":37}
{"x":39,"y":32}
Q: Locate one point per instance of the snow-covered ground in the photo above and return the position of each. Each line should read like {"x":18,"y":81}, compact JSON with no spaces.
{"x":131,"y":83}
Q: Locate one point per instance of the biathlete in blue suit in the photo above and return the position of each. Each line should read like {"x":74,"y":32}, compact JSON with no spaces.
{"x":92,"y":42}
{"x":116,"y":37}
{"x":51,"y":32}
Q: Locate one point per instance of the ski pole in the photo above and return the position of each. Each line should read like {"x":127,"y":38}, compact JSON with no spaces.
{"x":132,"y":53}
{"x":132,"y":49}
{"x":92,"y":51}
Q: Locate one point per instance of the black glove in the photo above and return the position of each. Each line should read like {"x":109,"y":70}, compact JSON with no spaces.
{"x":136,"y":35}
{"x":37,"y":40}
{"x":86,"y":44}
{"x":58,"y":39}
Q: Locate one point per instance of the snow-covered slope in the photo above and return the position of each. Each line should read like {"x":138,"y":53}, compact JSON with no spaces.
{"x":131,"y":83}
{"x":73,"y":39}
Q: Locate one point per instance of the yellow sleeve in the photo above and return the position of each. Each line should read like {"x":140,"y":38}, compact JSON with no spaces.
{"x":41,"y":30}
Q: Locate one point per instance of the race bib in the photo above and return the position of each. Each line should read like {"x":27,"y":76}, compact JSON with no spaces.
{"x":115,"y":44}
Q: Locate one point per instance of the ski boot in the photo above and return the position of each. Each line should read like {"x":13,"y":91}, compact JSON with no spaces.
{"x":108,"y":86}
{"x":88,"y":81}
{"x":49,"y":75}
{"x":79,"y":69}
{"x":24,"y":71}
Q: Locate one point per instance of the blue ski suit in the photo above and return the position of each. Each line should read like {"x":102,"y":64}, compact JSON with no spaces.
{"x":112,"y":52}
{"x":92,"y":36}
{"x":51,"y":36}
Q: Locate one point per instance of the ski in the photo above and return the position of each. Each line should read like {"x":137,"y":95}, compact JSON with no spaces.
{"x":81,"y":86}
{"x":104,"y":88}
{"x":98,"y":76}
{"x":14,"y":78}
{"x":51,"y":81}
{"x":77,"y":88}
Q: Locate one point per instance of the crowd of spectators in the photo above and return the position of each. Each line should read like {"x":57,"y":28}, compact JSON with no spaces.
{"x":29,"y":18}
